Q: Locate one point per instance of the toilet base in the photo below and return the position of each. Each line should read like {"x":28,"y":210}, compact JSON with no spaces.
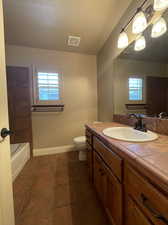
{"x":82,"y":155}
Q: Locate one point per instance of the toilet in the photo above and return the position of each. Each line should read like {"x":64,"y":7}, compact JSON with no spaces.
{"x":80,"y":145}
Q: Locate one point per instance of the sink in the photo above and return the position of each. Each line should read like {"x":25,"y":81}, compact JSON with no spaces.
{"x":129,"y":134}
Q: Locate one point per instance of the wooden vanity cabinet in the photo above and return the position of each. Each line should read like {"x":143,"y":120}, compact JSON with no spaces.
{"x":114,"y":199}
{"x":151,"y":201}
{"x":109,"y":190}
{"x":89,"y":137}
{"x":112,"y":160}
{"x":90,"y":161}
{"x":100,"y":180}
{"x":128,"y":197}
{"x":133,"y":214}
{"x":89,"y":149}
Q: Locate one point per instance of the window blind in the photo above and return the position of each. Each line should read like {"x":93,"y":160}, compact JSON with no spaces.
{"x":48,"y":86}
{"x":135,"y":89}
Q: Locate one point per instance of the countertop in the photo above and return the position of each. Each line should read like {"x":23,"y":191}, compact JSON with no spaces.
{"x":150,"y":158}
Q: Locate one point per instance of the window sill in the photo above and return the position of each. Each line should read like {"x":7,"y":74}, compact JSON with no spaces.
{"x":135,"y":106}
{"x":48,"y":108}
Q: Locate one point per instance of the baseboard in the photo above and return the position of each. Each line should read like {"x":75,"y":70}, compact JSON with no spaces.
{"x":53,"y":150}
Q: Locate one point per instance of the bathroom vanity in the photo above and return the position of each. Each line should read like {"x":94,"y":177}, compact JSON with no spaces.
{"x":131,"y":179}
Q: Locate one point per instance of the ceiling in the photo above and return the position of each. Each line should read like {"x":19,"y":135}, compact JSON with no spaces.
{"x":47,"y":23}
{"x":156,"y":48}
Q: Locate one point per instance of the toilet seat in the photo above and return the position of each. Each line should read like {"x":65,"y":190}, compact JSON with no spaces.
{"x":80,"y":140}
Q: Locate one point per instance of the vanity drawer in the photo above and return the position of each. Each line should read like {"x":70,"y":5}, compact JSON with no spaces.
{"x":152,"y":202}
{"x":88,"y":137}
{"x":113,"y":161}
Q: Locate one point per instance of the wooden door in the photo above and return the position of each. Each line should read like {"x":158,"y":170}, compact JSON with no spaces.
{"x":6,"y":195}
{"x":133,"y":215}
{"x":156,"y":95}
{"x":19,"y":102}
{"x":100,"y":178}
{"x":114,"y":199}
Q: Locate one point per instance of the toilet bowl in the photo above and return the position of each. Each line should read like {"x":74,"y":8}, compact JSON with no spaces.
{"x":80,"y":145}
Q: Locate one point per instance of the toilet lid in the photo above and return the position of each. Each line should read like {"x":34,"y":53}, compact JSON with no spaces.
{"x":80,"y":140}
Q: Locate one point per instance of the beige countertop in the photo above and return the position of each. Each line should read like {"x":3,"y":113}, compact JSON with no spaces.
{"x":150,"y":158}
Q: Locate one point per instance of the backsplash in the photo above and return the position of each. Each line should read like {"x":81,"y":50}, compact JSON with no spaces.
{"x":154,"y":124}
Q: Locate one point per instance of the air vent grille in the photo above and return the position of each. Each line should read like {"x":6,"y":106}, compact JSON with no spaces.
{"x":73,"y":41}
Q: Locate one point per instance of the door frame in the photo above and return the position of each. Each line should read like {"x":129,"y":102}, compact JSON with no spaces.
{"x":6,"y":192}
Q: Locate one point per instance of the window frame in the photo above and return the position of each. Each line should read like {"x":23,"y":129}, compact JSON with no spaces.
{"x":36,"y":100}
{"x":143,"y":90}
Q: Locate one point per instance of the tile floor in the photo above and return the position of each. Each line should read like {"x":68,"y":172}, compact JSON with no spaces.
{"x":55,"y":190}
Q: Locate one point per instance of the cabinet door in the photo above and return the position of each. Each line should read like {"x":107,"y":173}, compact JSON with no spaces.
{"x":90,"y":161}
{"x":114,"y":198}
{"x":133,"y":215}
{"x":100,"y":178}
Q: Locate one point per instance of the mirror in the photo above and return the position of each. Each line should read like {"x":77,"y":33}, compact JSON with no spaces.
{"x":141,"y":77}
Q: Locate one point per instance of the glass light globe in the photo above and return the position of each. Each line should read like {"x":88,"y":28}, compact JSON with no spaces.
{"x":140,"y":44}
{"x":139,"y":23}
{"x":159,"y":28}
{"x":160,"y":5}
{"x":123,"y":40}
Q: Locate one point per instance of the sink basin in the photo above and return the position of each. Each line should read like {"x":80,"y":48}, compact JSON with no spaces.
{"x":129,"y":134}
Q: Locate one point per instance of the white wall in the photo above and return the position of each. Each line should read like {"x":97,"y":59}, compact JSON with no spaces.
{"x":79,"y":93}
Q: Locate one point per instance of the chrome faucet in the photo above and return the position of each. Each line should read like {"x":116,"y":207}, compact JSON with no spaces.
{"x":139,"y":125}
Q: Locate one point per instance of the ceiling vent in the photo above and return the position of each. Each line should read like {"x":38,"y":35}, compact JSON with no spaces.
{"x":73,"y":41}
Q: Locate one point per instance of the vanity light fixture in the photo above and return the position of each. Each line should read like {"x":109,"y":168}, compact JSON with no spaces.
{"x":160,"y":5}
{"x":159,"y":28}
{"x":140,"y":43}
{"x":139,"y":23}
{"x":123,"y":40}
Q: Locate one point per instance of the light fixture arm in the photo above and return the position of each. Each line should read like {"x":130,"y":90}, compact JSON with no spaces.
{"x":138,"y":10}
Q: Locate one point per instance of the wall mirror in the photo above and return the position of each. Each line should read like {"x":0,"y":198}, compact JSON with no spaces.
{"x":141,"y":76}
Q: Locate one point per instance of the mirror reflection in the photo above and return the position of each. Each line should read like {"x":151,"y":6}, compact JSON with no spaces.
{"x":141,"y":74}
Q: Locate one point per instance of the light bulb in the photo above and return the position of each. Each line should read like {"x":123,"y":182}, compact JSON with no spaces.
{"x":123,"y":40}
{"x":140,"y":44}
{"x":159,"y":28}
{"x":139,"y":23}
{"x":160,"y":5}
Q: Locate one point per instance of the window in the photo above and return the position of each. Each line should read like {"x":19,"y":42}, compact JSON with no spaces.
{"x":135,"y":89}
{"x":47,"y":88}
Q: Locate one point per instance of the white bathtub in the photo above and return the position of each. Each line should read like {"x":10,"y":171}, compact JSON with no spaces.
{"x":20,"y":154}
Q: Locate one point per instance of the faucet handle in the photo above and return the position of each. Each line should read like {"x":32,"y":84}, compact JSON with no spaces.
{"x":133,"y":115}
{"x":162,"y":115}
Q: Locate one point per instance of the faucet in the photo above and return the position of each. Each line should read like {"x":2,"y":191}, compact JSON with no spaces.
{"x":162,"y":115}
{"x":139,"y":125}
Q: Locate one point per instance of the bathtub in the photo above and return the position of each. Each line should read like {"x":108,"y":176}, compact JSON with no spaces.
{"x":20,"y":154}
